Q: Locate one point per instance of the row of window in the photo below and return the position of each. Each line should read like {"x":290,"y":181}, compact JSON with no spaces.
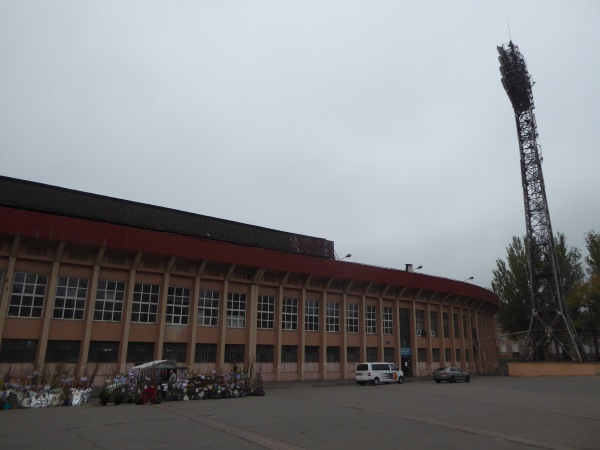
{"x":435,"y":355}
{"x":433,"y":324}
{"x":29,"y":291}
{"x":61,"y":351}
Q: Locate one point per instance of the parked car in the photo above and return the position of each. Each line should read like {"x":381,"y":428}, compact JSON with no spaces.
{"x":451,"y":375}
{"x":378,"y":372}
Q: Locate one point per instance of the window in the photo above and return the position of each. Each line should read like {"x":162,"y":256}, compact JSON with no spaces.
{"x":466,"y":354}
{"x":388,"y":322}
{"x":370,"y":319}
{"x":388,"y":354}
{"x":175,"y":351}
{"x":234,"y":353}
{"x":236,"y":310}
{"x":447,"y":356}
{"x":458,"y":356}
{"x":205,"y":353}
{"x":140,"y":352}
{"x":62,"y":351}
{"x":311,"y":353}
{"x":289,"y":314}
{"x":71,"y":293}
{"x":27,"y":295}
{"x":422,"y":354}
{"x":455,"y":324}
{"x":178,"y":305}
{"x":333,"y":354}
{"x":353,"y":353}
{"x":145,"y":303}
{"x":265,"y":353}
{"x":464,"y":322}
{"x":109,"y":301}
{"x":18,"y":350}
{"x":445,"y":325}
{"x":351,"y":318}
{"x":208,"y":308}
{"x":433,"y":323}
{"x":332,"y":318}
{"x":266,"y":313}
{"x":103,"y":351}
{"x":435,"y":355}
{"x":289,"y":353}
{"x":372,"y":354}
{"x":311,"y":315}
{"x":420,"y":322}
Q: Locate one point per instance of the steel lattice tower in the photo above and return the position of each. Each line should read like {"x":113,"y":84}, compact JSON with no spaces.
{"x":550,"y":323}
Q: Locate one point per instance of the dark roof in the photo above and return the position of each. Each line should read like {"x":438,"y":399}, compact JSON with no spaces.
{"x":39,"y":197}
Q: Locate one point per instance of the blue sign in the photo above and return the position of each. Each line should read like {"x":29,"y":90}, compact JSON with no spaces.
{"x":405,"y":352}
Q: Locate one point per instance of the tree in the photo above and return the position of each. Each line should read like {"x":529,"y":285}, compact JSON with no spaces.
{"x":512,"y":285}
{"x":569,"y":264}
{"x":584,"y":301}
{"x":592,"y":241}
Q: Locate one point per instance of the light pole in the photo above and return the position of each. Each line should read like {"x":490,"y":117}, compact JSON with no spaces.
{"x":347,"y":256}
{"x":468,"y":279}
{"x":593,"y":330}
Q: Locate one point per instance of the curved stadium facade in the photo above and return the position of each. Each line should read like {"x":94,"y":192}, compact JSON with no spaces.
{"x":89,"y":281}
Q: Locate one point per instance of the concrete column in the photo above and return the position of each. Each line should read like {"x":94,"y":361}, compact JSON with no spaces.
{"x":6,"y":283}
{"x":222,"y":328}
{"x":49,"y":304}
{"x":344,"y":335}
{"x":89,"y":316}
{"x":127,"y":307}
{"x":162,"y":309}
{"x":323,"y":334}
{"x":193,"y":322}
{"x":302,"y":333}
{"x":362,"y":325}
{"x":252,"y":314}
{"x":278,"y":333}
{"x":414,"y":339}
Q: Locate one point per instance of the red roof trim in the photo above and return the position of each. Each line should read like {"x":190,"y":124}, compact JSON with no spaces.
{"x":79,"y":231}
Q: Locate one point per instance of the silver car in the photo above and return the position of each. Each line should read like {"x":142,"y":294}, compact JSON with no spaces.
{"x":451,"y":375}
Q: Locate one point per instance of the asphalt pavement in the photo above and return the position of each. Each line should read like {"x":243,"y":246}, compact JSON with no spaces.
{"x":505,"y":413}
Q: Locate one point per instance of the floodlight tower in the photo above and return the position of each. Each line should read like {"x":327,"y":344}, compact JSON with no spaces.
{"x":550,"y":323}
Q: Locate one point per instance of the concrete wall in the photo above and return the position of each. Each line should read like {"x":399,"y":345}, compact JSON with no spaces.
{"x":546,"y":368}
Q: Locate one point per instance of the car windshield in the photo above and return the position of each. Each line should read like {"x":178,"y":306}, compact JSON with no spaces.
{"x":441,"y":369}
{"x":394,"y":367}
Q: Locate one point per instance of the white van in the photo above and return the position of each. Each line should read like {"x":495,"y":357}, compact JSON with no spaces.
{"x":378,"y":372}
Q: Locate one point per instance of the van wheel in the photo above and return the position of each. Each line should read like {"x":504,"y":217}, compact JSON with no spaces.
{"x":452,"y":380}
{"x":362,"y":383}
{"x":400,"y":380}
{"x":375,"y":381}
{"x":468,"y":379}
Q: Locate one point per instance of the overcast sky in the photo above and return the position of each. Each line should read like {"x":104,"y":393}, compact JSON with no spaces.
{"x":379,"y":125}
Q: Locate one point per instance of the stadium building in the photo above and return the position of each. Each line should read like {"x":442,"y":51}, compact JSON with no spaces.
{"x":89,"y":280}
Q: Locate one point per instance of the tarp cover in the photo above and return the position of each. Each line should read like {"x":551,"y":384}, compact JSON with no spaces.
{"x":146,"y":368}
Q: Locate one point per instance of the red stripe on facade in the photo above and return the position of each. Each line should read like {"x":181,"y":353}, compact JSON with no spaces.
{"x":97,"y":234}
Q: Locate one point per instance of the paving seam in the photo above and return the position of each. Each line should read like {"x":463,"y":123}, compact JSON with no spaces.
{"x":250,"y":436}
{"x":471,"y":430}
